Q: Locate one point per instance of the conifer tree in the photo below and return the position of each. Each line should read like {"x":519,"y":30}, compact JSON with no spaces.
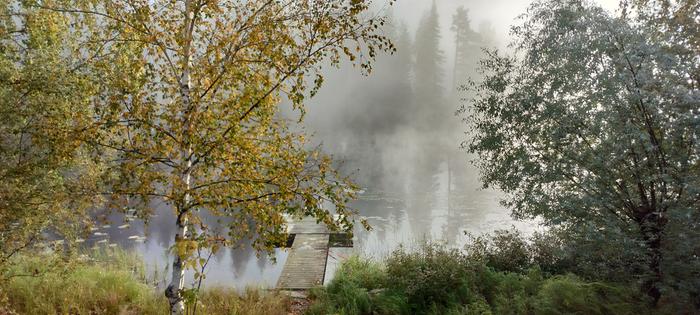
{"x":428,"y":70}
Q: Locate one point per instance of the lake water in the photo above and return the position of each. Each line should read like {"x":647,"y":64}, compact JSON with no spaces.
{"x":426,"y":209}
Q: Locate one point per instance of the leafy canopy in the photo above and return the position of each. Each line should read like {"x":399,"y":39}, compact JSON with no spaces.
{"x":47,"y":176}
{"x":187,"y":108}
{"x":593,"y":125}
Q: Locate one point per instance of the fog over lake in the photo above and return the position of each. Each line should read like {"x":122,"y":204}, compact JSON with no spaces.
{"x":401,"y":146}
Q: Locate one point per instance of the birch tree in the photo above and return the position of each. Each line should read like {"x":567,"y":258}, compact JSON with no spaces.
{"x":188,"y":110}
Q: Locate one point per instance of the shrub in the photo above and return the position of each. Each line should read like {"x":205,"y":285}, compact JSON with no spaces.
{"x":505,"y":250}
{"x":433,"y":277}
{"x":342,"y":297}
{"x":569,"y":295}
{"x":509,"y":251}
{"x":548,"y":252}
{"x":511,"y":296}
{"x":362,"y":272}
{"x":439,"y":280}
{"x":357,"y":288}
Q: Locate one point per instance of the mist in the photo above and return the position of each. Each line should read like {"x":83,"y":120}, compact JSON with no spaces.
{"x":392,"y":130}
{"x":350,"y":156}
{"x":395,"y":133}
{"x":383,"y":129}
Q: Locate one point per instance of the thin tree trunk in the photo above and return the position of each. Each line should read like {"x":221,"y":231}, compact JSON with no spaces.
{"x":174,"y":290}
{"x":177,"y":283}
{"x":652,"y":237}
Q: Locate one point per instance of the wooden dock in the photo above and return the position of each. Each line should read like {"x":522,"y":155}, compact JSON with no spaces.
{"x":306,"y":264}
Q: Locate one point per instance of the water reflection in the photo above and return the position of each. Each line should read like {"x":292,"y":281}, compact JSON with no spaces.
{"x":436,"y":207}
{"x":239,"y":267}
{"x":443,"y":214}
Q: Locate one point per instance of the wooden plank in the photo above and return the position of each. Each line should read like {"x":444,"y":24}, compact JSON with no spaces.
{"x":306,"y":264}
{"x":306,"y":226}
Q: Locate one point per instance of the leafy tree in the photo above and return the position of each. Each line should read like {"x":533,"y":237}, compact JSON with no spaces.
{"x":46,"y":174}
{"x":592,"y":125}
{"x":188,"y":110}
{"x":680,"y":17}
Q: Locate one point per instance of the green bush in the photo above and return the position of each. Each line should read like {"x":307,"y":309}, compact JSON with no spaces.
{"x":359,"y":287}
{"x":438,"y":280}
{"x":569,"y":295}
{"x":365,"y":273}
{"x":509,"y":251}
{"x":505,"y":250}
{"x":549,"y":253}
{"x":432,"y":278}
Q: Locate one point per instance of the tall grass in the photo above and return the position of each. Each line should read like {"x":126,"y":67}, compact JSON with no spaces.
{"x":252,"y":302}
{"x":111,"y":281}
{"x":106,"y":282}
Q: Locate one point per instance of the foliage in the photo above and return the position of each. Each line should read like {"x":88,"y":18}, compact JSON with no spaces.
{"x":420,"y":283}
{"x":431,"y":277}
{"x":48,"y":177}
{"x":365,"y":273}
{"x":505,"y":250}
{"x":469,"y":45}
{"x":101,"y":286}
{"x":430,"y":114}
{"x":429,"y":57}
{"x":351,"y":291}
{"x":186,"y":110}
{"x":592,"y":126}
{"x":670,"y":16}
{"x":557,"y":252}
{"x":567,"y":294}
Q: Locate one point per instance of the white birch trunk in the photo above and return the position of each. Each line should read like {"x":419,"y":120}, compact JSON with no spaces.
{"x":177,"y":283}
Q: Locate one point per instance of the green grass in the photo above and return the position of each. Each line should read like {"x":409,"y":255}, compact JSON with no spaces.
{"x":110,"y":282}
